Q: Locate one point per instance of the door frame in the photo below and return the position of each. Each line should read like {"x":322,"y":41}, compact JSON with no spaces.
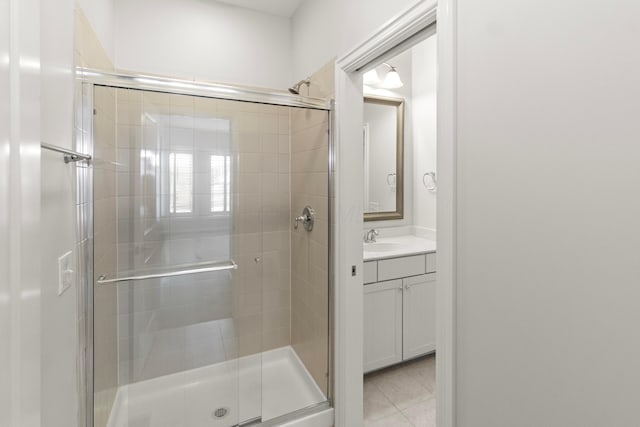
{"x":398,"y":33}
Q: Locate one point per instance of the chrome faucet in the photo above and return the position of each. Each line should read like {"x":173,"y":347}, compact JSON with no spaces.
{"x":370,"y":236}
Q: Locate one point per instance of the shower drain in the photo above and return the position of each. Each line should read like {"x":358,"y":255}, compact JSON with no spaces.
{"x":220,"y":412}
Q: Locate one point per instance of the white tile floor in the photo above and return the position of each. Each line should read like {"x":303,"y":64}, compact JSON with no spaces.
{"x":402,"y":395}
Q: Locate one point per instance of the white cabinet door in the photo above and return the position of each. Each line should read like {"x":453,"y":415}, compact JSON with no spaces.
{"x":382,"y":324}
{"x":419,"y":315}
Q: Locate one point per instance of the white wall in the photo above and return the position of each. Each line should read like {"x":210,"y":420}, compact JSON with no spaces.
{"x":325,"y":29}
{"x":20,"y":330}
{"x":59,"y":314}
{"x":547,"y":235}
{"x":204,"y":40}
{"x":101,"y":16}
{"x":424,"y":63}
{"x":315,"y":36}
{"x":6,"y":383}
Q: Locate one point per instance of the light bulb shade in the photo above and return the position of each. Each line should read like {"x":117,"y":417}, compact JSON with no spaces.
{"x":371,"y":78}
{"x":392,"y":80}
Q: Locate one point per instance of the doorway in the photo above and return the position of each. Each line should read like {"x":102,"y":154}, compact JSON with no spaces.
{"x":403,"y":32}
{"x":399,"y":203}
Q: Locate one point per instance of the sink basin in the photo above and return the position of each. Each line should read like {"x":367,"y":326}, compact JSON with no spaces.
{"x":382,"y":247}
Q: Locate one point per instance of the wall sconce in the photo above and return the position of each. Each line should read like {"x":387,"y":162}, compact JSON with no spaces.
{"x":391,"y":80}
{"x":371,"y":78}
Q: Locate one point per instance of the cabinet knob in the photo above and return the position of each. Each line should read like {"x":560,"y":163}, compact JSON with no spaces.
{"x":407,"y":286}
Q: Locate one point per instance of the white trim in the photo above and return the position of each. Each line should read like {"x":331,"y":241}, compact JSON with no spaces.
{"x":398,"y":30}
{"x":446,"y":216}
{"x":349,"y":177}
{"x":349,"y":309}
{"x":366,"y":158}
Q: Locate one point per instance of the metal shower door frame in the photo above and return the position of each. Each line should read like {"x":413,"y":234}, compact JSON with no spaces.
{"x":86,"y":81}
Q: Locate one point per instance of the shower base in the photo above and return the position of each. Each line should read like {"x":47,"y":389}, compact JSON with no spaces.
{"x":266,"y":385}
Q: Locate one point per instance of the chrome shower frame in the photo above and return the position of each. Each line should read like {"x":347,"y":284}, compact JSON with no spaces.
{"x":86,"y":80}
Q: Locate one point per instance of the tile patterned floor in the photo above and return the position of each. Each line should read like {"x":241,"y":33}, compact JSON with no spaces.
{"x":402,"y":395}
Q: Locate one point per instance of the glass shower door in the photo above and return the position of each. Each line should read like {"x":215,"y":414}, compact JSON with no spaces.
{"x":177,"y":327}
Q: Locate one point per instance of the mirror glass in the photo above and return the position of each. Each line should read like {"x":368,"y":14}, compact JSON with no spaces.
{"x":383,"y":158}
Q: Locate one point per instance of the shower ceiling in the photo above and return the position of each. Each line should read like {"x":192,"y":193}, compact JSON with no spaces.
{"x":284,"y":8}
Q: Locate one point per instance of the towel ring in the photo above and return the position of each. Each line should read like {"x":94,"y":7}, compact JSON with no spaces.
{"x":434,"y":184}
{"x":391,"y":179}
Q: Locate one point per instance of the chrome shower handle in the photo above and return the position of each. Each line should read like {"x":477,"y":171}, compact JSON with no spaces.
{"x":307,"y":219}
{"x":296,"y":220}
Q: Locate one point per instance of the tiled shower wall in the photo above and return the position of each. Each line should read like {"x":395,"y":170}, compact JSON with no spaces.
{"x":261,"y":141}
{"x":104,"y":252}
{"x":310,"y":250}
{"x":90,"y":53}
{"x":310,"y":333}
{"x":169,"y":325}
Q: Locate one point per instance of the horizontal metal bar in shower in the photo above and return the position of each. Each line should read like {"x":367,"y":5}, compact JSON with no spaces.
{"x":190,"y":87}
{"x":183,"y":270}
{"x":69,"y":155}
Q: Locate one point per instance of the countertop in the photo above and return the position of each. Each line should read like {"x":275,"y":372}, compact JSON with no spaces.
{"x":409,"y":245}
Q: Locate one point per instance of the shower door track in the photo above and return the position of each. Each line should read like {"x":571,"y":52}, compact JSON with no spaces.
{"x":171,"y":85}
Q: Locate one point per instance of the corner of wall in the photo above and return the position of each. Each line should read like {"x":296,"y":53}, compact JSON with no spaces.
{"x":89,"y":51}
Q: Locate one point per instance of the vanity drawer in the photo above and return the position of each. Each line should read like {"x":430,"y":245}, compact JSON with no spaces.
{"x":395,"y":268}
{"x":431,"y":263}
{"x":370,"y":272}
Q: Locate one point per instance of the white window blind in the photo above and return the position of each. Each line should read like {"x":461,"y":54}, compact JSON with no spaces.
{"x":220,"y":183}
{"x":180,"y":183}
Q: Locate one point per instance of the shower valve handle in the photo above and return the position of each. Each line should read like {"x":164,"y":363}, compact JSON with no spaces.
{"x":301,"y":219}
{"x":307,"y":219}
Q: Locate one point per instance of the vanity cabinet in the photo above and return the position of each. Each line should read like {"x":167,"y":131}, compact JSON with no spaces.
{"x":418,"y":315}
{"x":399,"y":314}
{"x":382,"y":324}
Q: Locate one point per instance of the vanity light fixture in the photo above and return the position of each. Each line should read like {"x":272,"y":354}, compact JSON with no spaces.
{"x":392,"y":80}
{"x":371,"y":78}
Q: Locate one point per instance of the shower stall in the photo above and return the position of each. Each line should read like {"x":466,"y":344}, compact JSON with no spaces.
{"x":208,"y":298}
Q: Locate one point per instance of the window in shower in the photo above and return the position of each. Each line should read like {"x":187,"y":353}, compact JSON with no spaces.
{"x":180,"y":183}
{"x":220,"y":183}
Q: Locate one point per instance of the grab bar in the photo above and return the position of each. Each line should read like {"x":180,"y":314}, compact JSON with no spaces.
{"x":203,"y":268}
{"x":69,"y":155}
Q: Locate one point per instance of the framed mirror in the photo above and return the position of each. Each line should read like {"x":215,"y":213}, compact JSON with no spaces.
{"x":383,"y":143}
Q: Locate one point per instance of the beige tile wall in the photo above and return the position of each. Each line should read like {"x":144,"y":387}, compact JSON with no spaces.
{"x":262,"y":290}
{"x":159,"y":319}
{"x":323,"y":81}
{"x":90,"y":53}
{"x":104,"y":238}
{"x":167,"y":325}
{"x":310,"y":250}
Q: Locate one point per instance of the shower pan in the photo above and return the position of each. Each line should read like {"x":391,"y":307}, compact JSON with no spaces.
{"x":206,"y":305}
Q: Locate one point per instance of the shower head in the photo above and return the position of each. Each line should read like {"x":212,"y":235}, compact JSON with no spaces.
{"x":295,"y":89}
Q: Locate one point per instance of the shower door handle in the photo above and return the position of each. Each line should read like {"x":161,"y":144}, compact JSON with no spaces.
{"x":183,"y":270}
